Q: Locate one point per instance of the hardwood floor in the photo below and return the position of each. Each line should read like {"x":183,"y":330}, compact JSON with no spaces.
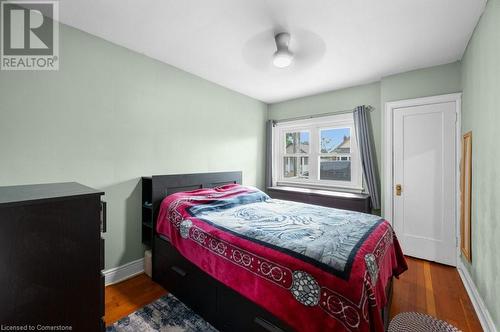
{"x":437,"y":290}
{"x":126,"y":297}
{"x":426,"y":287}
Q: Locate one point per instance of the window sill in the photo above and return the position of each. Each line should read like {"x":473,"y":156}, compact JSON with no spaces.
{"x":320,"y":192}
{"x":320,"y":186}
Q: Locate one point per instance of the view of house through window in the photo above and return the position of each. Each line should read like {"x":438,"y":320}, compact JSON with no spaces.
{"x":321,"y":151}
{"x":296,"y":159}
{"x":335,"y":154}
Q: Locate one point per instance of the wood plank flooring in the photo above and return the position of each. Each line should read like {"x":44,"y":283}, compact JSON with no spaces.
{"x":126,"y":297}
{"x":437,"y":290}
{"x":426,"y":287}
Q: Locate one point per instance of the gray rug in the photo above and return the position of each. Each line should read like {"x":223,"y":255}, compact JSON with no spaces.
{"x":167,"y":314}
{"x":419,"y":322}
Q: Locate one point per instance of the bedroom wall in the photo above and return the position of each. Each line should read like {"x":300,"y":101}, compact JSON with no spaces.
{"x":481,"y":114}
{"x":110,"y":116}
{"x":431,"y":81}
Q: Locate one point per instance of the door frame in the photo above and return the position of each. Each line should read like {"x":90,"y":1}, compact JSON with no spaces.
{"x":388,"y":152}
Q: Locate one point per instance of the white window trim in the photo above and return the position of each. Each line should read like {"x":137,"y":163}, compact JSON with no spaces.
{"x":313,"y":125}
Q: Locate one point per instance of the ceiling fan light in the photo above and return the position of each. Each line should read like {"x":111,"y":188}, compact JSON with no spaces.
{"x":282,"y":58}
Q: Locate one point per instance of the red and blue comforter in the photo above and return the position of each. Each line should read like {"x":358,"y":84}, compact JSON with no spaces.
{"x":316,"y":268}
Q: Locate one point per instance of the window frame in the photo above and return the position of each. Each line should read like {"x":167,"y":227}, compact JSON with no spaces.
{"x":314,"y":126}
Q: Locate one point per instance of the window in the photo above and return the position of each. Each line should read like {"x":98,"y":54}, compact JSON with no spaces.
{"x":318,"y":152}
{"x":296,"y":157}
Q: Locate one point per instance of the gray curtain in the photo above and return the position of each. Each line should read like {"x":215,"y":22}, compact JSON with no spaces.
{"x":367,"y":154}
{"x":269,"y":153}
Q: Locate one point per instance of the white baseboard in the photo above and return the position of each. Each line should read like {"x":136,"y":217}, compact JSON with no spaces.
{"x":120,"y":273}
{"x":477,"y":301}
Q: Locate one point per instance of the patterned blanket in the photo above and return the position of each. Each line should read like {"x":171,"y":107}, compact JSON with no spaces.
{"x":316,"y":268}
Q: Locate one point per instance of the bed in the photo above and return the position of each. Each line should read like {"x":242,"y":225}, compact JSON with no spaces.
{"x":246,"y":262}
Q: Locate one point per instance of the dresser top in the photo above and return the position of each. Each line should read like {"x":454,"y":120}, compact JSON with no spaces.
{"x":38,"y":192}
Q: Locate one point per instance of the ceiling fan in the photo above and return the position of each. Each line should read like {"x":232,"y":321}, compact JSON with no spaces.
{"x":273,"y":50}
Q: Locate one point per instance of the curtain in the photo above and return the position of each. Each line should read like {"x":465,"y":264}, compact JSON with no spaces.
{"x":269,"y":153}
{"x":366,"y":152}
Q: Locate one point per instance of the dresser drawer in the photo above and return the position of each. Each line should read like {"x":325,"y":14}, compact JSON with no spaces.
{"x":101,"y":264}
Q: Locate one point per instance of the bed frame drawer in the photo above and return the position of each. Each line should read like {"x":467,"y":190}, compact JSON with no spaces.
{"x":207,"y":297}
{"x":185,"y":280}
{"x":246,"y":315}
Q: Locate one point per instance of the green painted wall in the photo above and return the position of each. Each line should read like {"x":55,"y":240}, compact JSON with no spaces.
{"x":481,"y":114}
{"x":414,"y":84}
{"x":334,"y":101}
{"x":425,"y":82}
{"x":110,"y":116}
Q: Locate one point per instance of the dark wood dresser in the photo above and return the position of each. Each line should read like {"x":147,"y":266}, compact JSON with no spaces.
{"x":333,"y":199}
{"x":51,"y":256}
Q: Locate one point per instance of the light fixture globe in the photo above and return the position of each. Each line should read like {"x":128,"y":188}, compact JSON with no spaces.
{"x":282,"y":57}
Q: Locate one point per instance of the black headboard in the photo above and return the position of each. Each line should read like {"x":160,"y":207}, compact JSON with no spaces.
{"x":164,"y":185}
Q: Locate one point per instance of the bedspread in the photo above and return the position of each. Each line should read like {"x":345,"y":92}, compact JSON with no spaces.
{"x":316,"y":268}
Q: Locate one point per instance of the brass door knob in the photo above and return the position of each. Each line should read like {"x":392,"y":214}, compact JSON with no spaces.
{"x":399,"y":189}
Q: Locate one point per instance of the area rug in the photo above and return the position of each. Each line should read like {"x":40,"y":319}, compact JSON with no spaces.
{"x":167,"y":314}
{"x":419,"y":322}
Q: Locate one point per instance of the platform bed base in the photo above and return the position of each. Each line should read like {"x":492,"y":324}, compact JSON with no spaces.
{"x":218,"y":304}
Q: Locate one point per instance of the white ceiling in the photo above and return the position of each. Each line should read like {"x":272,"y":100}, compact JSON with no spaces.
{"x":338,"y":43}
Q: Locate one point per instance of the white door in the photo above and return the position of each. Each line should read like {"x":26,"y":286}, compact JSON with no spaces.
{"x":424,"y":170}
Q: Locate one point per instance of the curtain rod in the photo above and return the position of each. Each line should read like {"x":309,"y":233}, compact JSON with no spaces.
{"x":369,"y":108}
